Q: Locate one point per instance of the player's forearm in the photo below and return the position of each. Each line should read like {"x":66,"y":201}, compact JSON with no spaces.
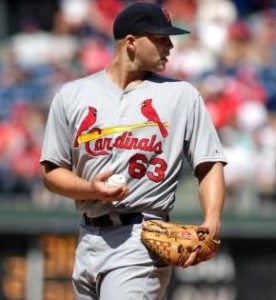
{"x":65,"y":183}
{"x":212,"y":193}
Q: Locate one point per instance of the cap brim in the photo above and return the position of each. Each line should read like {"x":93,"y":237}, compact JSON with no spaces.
{"x":170,"y":31}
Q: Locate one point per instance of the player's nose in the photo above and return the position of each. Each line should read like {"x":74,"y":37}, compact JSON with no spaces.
{"x":169,"y":44}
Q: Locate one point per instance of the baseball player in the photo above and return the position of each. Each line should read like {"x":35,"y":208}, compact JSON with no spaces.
{"x":128,"y":119}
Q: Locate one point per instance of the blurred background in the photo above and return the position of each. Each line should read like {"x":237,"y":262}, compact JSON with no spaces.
{"x":230,"y":56}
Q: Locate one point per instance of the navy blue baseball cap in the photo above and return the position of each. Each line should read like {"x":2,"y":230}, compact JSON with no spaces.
{"x":144,"y":18}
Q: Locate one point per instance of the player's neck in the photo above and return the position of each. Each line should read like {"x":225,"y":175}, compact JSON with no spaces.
{"x":124,"y":75}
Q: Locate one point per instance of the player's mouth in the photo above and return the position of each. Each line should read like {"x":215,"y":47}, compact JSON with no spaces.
{"x":164,"y":59}
{"x":165,"y":56}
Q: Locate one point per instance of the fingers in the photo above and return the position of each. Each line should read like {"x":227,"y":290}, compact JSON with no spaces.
{"x":108,"y":193}
{"x":213,"y":227}
{"x":117,"y":193}
{"x":103,"y":176}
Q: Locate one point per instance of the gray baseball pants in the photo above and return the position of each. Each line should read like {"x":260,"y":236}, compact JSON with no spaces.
{"x":113,"y":264}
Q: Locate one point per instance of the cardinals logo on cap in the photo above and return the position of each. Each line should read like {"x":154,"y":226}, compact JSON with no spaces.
{"x":166,"y":14}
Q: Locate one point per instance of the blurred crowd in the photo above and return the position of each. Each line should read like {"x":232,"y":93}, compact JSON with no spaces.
{"x":230,"y":56}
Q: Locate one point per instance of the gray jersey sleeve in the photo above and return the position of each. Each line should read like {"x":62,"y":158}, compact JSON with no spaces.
{"x":201,"y":141}
{"x":57,"y":143}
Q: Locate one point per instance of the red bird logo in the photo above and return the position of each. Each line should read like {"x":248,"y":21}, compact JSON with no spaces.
{"x":88,"y":121}
{"x":150,"y":113}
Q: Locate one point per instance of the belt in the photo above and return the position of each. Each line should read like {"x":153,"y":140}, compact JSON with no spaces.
{"x":116,"y":219}
{"x":113,"y":220}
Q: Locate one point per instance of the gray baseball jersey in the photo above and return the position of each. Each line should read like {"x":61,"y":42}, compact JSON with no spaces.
{"x":141,"y":133}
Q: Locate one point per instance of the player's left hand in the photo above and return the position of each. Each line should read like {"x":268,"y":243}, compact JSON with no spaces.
{"x":213,"y":226}
{"x":214,"y":229}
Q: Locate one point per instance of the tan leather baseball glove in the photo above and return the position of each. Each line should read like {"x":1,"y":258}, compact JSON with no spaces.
{"x":173,"y":242}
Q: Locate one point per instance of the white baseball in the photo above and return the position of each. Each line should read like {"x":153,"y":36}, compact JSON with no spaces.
{"x":115,"y":180}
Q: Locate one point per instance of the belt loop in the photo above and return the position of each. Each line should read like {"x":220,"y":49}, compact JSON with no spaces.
{"x":115,"y":218}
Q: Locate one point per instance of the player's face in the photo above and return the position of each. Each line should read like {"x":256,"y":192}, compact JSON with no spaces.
{"x":152,"y":52}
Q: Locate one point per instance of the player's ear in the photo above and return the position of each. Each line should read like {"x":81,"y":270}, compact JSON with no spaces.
{"x":131,"y":42}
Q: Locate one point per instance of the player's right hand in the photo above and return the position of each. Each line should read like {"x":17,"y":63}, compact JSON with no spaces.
{"x":107,"y":193}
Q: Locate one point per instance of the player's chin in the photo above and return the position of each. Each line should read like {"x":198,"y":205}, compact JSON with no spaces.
{"x":157,"y":67}
{"x":162,"y":64}
{"x":160,"y":67}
